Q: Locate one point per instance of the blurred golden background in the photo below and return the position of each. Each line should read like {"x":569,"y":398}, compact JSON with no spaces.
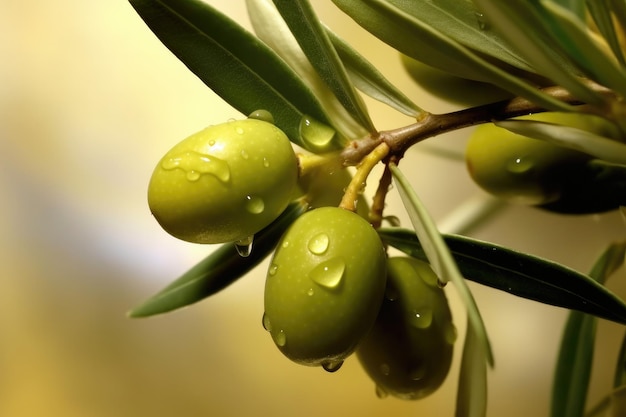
{"x":89,"y":101}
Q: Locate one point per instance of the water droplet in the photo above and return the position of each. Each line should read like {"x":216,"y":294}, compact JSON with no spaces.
{"x":310,"y":292}
{"x":520,"y":165}
{"x":385,"y":369}
{"x":273,"y":269}
{"x":422,"y":319}
{"x":285,"y":244}
{"x":211,"y":142}
{"x":332,"y":366}
{"x":315,"y":133}
{"x":266,"y":162}
{"x":255,"y":205}
{"x":281,"y":338}
{"x":319,"y":243}
{"x":263,"y":115}
{"x":450,"y":333}
{"x":441,"y":284}
{"x":244,"y":154}
{"x":381,"y":392}
{"x":481,"y":19}
{"x":244,"y":246}
{"x":417,"y":373}
{"x":329,"y":274}
{"x":267,"y":325}
{"x":196,"y":164}
{"x":239,"y":130}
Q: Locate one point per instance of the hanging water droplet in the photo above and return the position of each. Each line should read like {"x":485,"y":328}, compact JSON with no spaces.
{"x":255,"y":205}
{"x":441,"y":284}
{"x":244,"y":154}
{"x":417,"y":373}
{"x":481,"y":19}
{"x":422,"y":319}
{"x":196,"y":164}
{"x":332,"y":366}
{"x":211,"y":142}
{"x":450,"y":333}
{"x":381,"y":392}
{"x":281,"y":338}
{"x":329,"y":274}
{"x":520,"y":165}
{"x":316,"y":134}
{"x":319,"y":243}
{"x":285,"y":244}
{"x":267,"y":325}
{"x":263,"y":115}
{"x":244,"y":246}
{"x":385,"y":369}
{"x":273,"y":269}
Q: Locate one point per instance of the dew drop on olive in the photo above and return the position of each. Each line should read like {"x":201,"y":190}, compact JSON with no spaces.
{"x":224,"y":183}
{"x":408,"y":351}
{"x":324,"y":286}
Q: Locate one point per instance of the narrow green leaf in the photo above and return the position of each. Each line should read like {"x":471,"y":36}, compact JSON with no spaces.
{"x":439,"y":256}
{"x":581,"y":44}
{"x":600,"y":147}
{"x":218,"y":270}
{"x":463,"y":22}
{"x":600,"y":11}
{"x":575,"y":6}
{"x":573,"y":369}
{"x":619,"y":378}
{"x":231,"y":61}
{"x":421,"y":41}
{"x":368,"y":79}
{"x":270,"y":27}
{"x":519,"y":274}
{"x":312,"y":37}
{"x":471,"y":400}
{"x":523,"y":26}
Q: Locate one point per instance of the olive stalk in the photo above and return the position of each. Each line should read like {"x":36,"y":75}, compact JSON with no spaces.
{"x":365,"y":166}
{"x":400,"y":139}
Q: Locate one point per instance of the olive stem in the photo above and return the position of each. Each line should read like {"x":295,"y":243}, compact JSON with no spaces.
{"x":400,"y":139}
{"x":378,"y":202}
{"x":357,"y":184}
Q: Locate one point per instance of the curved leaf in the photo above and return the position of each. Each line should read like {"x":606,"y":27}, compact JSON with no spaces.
{"x":270,"y":27}
{"x":312,"y":37}
{"x":519,"y":274}
{"x":581,"y":140}
{"x":471,"y":400}
{"x":218,"y":270}
{"x":574,"y":365}
{"x":421,"y":41}
{"x":369,"y":80}
{"x":600,"y":11}
{"x":231,"y":61}
{"x":440,"y":258}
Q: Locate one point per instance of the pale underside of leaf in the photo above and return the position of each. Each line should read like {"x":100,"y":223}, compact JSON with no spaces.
{"x":270,"y":27}
{"x":439,"y":255}
{"x":600,"y":147}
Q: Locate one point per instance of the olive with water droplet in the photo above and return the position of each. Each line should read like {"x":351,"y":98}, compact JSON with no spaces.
{"x":408,"y":351}
{"x":218,"y":186}
{"x":523,"y":170}
{"x":323,"y":290}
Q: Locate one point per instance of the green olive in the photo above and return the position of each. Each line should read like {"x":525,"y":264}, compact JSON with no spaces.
{"x":409,"y":350}
{"x":525,"y":170}
{"x":224,"y":183}
{"x":324,"y":286}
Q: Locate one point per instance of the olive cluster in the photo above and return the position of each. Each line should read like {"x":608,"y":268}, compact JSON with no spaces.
{"x":331,"y":289}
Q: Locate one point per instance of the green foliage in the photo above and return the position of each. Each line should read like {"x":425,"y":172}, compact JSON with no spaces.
{"x":552,"y":55}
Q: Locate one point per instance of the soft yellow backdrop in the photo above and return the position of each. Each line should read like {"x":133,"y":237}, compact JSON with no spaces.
{"x":89,"y":100}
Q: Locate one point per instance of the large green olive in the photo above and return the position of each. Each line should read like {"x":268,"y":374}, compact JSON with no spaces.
{"x":525,"y":170}
{"x":224,"y":183}
{"x":409,"y":350}
{"x":324,"y":286}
